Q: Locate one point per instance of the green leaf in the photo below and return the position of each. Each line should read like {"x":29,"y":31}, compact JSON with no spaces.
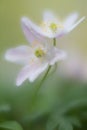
{"x":65,"y":125}
{"x":11,"y":125}
{"x":52,"y":123}
{"x":62,"y":123}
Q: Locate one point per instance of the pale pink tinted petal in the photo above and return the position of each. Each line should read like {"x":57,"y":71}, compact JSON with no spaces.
{"x":70,"y":20}
{"x":49,"y":16}
{"x":19,"y":54}
{"x":36,"y":70}
{"x":31,"y":30}
{"x":61,"y":33}
{"x":29,"y":36}
{"x":30,"y":72}
{"x":57,"y":56}
{"x":23,"y":75}
{"x":69,"y":28}
{"x":68,"y":23}
{"x":75,"y":25}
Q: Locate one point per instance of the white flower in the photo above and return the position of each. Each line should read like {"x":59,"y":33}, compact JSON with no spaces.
{"x":35,"y":59}
{"x":51,"y":27}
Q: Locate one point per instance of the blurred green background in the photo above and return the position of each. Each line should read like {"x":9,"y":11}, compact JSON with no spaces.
{"x":58,"y":92}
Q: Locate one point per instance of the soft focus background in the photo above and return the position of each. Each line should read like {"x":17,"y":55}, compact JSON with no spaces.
{"x":61,"y":103}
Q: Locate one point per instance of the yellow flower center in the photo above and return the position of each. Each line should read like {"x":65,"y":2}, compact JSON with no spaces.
{"x":39,"y":53}
{"x":53,"y":27}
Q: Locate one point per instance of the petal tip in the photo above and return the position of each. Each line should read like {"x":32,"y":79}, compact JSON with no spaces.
{"x":7,"y":56}
{"x":31,"y":79}
{"x":18,"y":83}
{"x":24,"y":19}
{"x":84,"y":17}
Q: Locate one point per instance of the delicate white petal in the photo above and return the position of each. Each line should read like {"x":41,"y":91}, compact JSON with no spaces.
{"x":32,"y":31}
{"x":70,"y":20}
{"x":27,"y":31}
{"x":23,"y":75}
{"x":49,"y":16}
{"x":30,"y":72}
{"x":69,"y":27}
{"x":57,"y":55}
{"x":61,"y":33}
{"x":19,"y":54}
{"x":68,"y":23}
{"x":36,"y":70}
{"x":76,"y":24}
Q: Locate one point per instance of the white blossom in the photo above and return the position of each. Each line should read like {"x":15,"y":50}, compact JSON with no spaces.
{"x":35,"y":59}
{"x":51,"y":26}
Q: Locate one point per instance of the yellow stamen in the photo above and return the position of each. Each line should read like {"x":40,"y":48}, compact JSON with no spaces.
{"x":53,"y":27}
{"x":47,"y":26}
{"x":39,"y":53}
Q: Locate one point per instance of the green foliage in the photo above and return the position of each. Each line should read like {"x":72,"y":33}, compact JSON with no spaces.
{"x":71,"y":111}
{"x":65,"y":124}
{"x":59,"y":106}
{"x":10,"y":125}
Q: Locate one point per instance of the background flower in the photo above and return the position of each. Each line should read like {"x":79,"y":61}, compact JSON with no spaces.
{"x":51,"y":27}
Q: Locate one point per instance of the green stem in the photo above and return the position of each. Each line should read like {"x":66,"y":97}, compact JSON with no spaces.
{"x":36,"y":92}
{"x":45,"y":76}
{"x":43,"y":79}
{"x":54,"y":44}
{"x":54,"y":41}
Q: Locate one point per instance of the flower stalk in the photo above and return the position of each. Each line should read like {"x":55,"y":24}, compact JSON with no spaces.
{"x":54,"y":41}
{"x":41,"y":83}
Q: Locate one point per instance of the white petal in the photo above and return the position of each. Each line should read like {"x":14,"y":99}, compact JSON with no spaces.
{"x":68,"y":23}
{"x":23,"y":75}
{"x":57,"y":56}
{"x":76,"y":24}
{"x":30,"y":72}
{"x":61,"y":33}
{"x":27,"y":31}
{"x":19,"y":54}
{"x":31,"y":30}
{"x":70,"y":20}
{"x":49,"y":16}
{"x":36,"y":70}
{"x":69,"y":27}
